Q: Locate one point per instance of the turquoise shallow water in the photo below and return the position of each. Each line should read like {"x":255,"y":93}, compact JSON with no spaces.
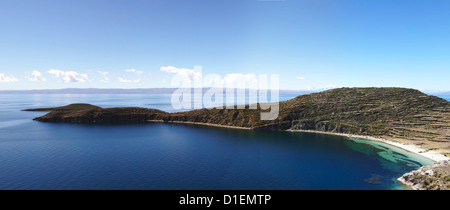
{"x":35,"y":155}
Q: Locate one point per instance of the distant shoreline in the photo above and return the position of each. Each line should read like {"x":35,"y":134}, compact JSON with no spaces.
{"x":197,"y":123}
{"x":131,"y":91}
{"x":139,"y":91}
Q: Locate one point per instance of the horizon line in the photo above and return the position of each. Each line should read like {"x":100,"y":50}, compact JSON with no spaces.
{"x":168,"y":89}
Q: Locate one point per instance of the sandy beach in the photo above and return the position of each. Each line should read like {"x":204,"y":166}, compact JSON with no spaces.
{"x":433,"y":155}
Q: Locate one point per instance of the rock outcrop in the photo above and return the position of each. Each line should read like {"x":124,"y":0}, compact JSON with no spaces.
{"x":433,"y":177}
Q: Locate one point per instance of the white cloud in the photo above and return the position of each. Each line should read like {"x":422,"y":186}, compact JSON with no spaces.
{"x":5,"y":79}
{"x":240,"y":78}
{"x":128,"y":81}
{"x":105,"y":76}
{"x":37,"y":77}
{"x":300,"y":78}
{"x":234,"y":80}
{"x":69,"y":76}
{"x":187,"y":74}
{"x":104,"y":73}
{"x":139,"y":73}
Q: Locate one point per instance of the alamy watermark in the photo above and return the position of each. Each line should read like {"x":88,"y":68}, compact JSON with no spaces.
{"x":212,"y":91}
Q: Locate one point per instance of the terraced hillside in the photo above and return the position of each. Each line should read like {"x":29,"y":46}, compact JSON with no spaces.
{"x":398,"y":114}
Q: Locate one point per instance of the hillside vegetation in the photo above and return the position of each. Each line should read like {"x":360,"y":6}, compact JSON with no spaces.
{"x":399,"y":114}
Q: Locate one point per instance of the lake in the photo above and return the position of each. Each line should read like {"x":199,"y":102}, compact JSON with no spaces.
{"x":36,"y":155}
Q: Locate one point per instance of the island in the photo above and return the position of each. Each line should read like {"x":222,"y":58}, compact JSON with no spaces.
{"x":402,"y":117}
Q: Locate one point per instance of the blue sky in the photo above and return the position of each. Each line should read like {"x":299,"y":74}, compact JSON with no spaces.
{"x":311,"y":44}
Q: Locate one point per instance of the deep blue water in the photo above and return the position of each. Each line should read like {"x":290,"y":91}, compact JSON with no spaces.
{"x":35,"y":155}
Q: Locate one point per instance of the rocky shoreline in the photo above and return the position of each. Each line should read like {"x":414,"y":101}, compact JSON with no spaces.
{"x":197,"y":123}
{"x":432,"y":177}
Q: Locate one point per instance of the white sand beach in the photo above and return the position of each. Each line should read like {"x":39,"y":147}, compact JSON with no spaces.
{"x":433,"y":155}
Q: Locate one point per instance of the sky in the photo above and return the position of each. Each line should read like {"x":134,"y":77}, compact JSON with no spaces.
{"x":310,"y":44}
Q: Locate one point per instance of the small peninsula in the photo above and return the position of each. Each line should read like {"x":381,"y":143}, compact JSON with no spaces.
{"x":398,"y":115}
